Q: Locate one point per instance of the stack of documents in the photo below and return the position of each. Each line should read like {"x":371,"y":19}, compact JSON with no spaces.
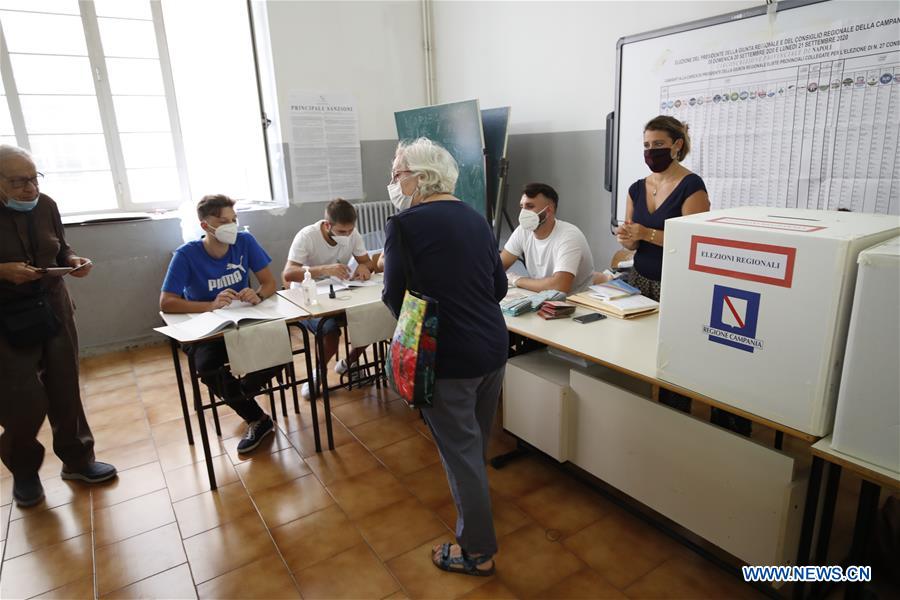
{"x":626,"y":307}
{"x":614,"y":288}
{"x":519,"y":305}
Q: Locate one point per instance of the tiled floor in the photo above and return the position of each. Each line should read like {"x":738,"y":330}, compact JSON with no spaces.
{"x":286,"y":522}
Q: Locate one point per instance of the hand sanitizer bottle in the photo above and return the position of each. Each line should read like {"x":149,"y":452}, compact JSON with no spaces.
{"x":309,"y":288}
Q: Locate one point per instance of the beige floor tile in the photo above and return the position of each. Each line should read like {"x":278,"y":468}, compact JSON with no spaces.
{"x":181,"y":454}
{"x":46,"y":528}
{"x":173,"y":431}
{"x":191,"y":480}
{"x":111,"y":363}
{"x":138,"y":557}
{"x":159,"y":378}
{"x":4,"y":520}
{"x":46,"y":569}
{"x":383,"y":432}
{"x":150,"y":352}
{"x":421,"y":579}
{"x":687,"y":575}
{"x":129,"y":484}
{"x":291,"y":500}
{"x":110,"y":399}
{"x":585,"y":584}
{"x":492,"y":590}
{"x":173,"y":584}
{"x":342,"y":462}
{"x":354,"y":573}
{"x":400,"y":527}
{"x":98,"y":385}
{"x":132,"y":517}
{"x":159,"y":365}
{"x":80,"y":588}
{"x":106,"y":438}
{"x":130,"y":456}
{"x":227,"y":547}
{"x":213,"y":508}
{"x":429,"y":485}
{"x":264,"y":578}
{"x":367,"y":492}
{"x":265,"y":470}
{"x":160,"y":412}
{"x":524,"y":475}
{"x":409,"y":455}
{"x":604,"y":544}
{"x":361,"y":411}
{"x":527,"y":561}
{"x":566,"y":506}
{"x":305,"y":442}
{"x":117,"y":415}
{"x":315,"y":537}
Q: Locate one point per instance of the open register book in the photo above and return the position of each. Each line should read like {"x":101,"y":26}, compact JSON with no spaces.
{"x":187,"y":328}
{"x":626,"y":307}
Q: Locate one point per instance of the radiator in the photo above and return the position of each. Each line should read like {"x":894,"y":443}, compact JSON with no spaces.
{"x":373,"y":215}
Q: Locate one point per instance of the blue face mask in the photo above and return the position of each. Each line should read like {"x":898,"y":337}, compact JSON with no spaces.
{"x":19,"y":206}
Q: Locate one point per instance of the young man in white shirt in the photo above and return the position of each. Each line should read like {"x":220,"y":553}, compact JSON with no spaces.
{"x":326,"y":247}
{"x":556,"y":253}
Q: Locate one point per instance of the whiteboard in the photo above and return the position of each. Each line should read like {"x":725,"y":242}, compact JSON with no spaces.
{"x":797,"y":108}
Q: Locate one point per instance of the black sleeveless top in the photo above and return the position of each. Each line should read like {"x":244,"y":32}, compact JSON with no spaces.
{"x":648,"y":258}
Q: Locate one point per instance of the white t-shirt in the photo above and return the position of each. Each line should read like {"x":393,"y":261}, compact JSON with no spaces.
{"x":310,"y":249}
{"x":565,"y":249}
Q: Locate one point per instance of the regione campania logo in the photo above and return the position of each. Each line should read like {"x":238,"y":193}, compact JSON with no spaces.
{"x":733,"y":318}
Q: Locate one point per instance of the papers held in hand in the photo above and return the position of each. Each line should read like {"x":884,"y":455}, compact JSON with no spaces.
{"x":205,"y":324}
{"x":60,"y":271}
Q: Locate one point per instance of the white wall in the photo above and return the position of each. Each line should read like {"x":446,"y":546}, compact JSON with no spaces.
{"x":371,"y":49}
{"x":552,"y":62}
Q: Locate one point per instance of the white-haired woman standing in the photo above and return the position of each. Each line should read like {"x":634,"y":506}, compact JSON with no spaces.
{"x":453,"y":257}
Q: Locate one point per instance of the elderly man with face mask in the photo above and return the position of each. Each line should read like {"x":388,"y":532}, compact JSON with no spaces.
{"x":38,"y":340}
{"x":556,"y":253}
{"x":211,"y":273}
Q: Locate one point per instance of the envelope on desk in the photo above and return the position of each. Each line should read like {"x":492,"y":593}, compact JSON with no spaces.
{"x":256,"y":347}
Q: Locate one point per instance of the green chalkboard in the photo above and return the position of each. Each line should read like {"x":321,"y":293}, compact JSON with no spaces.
{"x":457,"y":127}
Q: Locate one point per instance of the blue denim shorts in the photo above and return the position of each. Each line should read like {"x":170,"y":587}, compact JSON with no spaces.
{"x":332,"y":325}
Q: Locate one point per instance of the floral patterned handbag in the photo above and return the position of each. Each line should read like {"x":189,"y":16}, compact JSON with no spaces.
{"x":411,"y":353}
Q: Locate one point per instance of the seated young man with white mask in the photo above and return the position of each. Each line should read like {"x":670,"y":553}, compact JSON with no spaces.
{"x":326,"y":247}
{"x":211,"y":273}
{"x":556,"y":253}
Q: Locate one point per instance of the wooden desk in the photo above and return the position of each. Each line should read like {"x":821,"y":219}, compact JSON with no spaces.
{"x":291,"y":312}
{"x":331,"y":307}
{"x":873,"y":478}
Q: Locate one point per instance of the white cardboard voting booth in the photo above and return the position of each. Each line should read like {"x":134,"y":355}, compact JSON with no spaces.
{"x":755,"y":305}
{"x":867,"y":422}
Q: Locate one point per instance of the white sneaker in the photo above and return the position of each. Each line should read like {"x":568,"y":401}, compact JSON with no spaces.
{"x":341,"y":367}
{"x":304,"y":389}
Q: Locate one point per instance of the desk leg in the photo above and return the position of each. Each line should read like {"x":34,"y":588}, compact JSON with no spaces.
{"x":313,"y":392}
{"x":779,"y":440}
{"x":820,"y":556}
{"x":809,"y":520}
{"x":178,"y":377}
{"x":204,"y":436}
{"x":865,"y":517}
{"x":323,"y":379}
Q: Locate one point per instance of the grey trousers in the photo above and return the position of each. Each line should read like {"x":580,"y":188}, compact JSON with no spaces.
{"x":460,"y":421}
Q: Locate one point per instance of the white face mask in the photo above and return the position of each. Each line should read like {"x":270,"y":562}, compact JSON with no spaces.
{"x":400,"y":200}
{"x":227,"y":234}
{"x":341,"y":240}
{"x":529,"y":220}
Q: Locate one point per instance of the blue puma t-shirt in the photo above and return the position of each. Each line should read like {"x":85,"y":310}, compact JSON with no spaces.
{"x":196,"y":275}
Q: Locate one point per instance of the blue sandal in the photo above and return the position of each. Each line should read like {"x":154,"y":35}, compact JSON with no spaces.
{"x":465,"y":564}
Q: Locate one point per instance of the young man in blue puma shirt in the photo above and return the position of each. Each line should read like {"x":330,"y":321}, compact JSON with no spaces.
{"x":211,"y":273}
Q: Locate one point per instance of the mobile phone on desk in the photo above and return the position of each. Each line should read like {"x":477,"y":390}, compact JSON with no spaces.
{"x":589,"y":318}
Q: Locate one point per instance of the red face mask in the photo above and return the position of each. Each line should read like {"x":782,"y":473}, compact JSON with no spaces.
{"x":658,"y":159}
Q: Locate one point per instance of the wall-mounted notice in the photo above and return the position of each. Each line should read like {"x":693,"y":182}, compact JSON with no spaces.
{"x":797,"y":110}
{"x":325,"y":155}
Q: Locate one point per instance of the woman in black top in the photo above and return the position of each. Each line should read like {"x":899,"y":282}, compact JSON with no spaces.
{"x":454,"y":260}
{"x":671,"y":191}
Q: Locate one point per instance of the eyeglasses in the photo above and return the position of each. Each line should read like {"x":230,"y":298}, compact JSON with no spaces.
{"x":17,"y":183}
{"x":395,"y":175}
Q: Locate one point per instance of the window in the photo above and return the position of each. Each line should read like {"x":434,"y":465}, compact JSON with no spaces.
{"x":114,"y":121}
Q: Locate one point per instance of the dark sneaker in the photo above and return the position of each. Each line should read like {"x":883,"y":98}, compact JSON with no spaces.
{"x":256,"y":433}
{"x":27,"y":491}
{"x":95,"y":472}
